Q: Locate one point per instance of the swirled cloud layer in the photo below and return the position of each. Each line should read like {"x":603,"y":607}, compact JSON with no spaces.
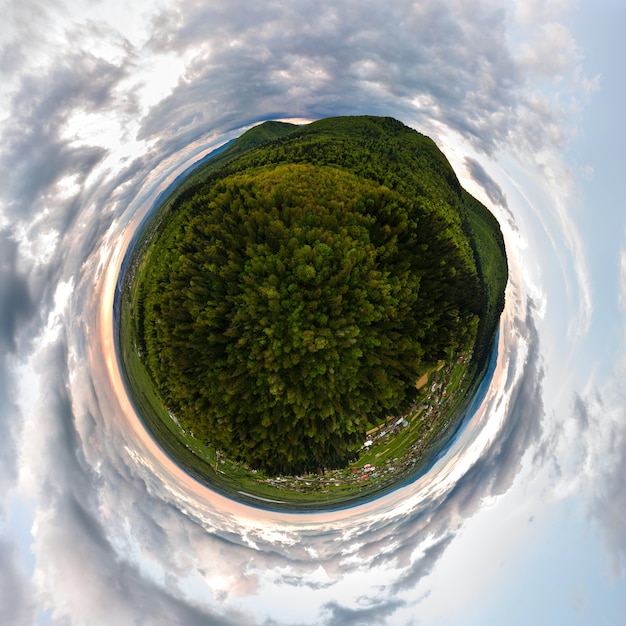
{"x":522,"y":520}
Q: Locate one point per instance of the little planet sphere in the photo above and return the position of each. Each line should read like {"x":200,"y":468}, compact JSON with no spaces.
{"x":308,"y":312}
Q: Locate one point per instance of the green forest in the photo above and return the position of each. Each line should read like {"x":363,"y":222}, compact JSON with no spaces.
{"x":298,"y":285}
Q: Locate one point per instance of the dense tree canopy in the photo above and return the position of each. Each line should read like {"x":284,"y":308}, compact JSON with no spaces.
{"x":289,"y":303}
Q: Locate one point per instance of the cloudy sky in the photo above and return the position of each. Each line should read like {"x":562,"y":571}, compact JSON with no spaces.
{"x":522,"y":521}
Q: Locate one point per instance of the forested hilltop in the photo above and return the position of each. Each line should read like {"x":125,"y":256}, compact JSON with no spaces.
{"x":301,"y":282}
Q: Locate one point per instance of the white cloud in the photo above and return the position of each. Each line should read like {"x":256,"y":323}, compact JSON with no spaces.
{"x":17,"y":604}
